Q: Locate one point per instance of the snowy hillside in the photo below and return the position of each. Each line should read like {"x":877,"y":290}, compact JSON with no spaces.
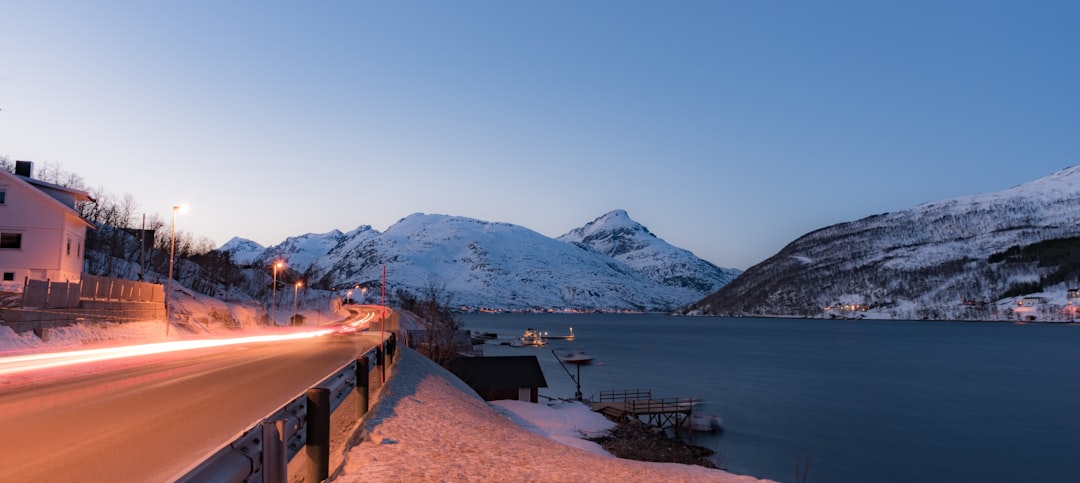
{"x":502,"y":266}
{"x":931,"y":261}
{"x":303,"y":250}
{"x":242,"y":250}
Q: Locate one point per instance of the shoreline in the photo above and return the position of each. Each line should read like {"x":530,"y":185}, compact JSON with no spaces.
{"x":428,"y":425}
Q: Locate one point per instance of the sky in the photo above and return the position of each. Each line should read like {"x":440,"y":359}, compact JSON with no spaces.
{"x":728,"y":128}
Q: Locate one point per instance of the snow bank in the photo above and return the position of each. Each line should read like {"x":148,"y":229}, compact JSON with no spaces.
{"x":83,"y":336}
{"x":429,"y":426}
{"x":565,"y":422}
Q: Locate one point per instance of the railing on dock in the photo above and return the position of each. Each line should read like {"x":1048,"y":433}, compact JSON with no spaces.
{"x":638,"y":403}
{"x":625,"y":395}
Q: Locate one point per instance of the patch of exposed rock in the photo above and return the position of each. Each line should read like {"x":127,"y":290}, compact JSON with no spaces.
{"x":638,"y":441}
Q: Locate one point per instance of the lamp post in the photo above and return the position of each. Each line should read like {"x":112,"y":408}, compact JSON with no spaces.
{"x":273,"y":294}
{"x":296,"y":289}
{"x":172,"y":258}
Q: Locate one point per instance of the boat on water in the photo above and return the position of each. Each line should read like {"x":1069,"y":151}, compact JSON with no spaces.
{"x":704,"y":422}
{"x":578,"y":356}
{"x":483,"y":337}
{"x":531,"y":338}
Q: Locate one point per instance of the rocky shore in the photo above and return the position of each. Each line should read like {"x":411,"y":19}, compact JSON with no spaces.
{"x":635,"y":440}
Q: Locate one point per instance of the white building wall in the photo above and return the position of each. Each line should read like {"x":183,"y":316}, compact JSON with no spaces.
{"x":45,"y":227}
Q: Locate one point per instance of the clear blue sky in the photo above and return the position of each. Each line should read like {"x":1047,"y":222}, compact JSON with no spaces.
{"x":728,"y":128}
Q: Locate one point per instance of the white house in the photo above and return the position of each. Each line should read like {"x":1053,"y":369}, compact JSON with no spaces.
{"x":41,"y":232}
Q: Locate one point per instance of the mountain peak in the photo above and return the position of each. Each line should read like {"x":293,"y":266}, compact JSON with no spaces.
{"x":242,"y":250}
{"x":609,"y":224}
{"x":616,"y":235}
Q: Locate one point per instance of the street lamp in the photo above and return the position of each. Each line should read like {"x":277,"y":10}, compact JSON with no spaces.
{"x":296,"y":288}
{"x":273,"y":296}
{"x":172,"y":256}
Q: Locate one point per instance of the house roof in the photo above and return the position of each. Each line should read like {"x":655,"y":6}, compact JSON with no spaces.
{"x":46,"y":186}
{"x":484,"y":373}
{"x":45,"y":190}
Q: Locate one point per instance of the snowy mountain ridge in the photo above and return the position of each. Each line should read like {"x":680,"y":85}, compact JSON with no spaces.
{"x":627,"y":241}
{"x":613,"y":263}
{"x":916,"y":263}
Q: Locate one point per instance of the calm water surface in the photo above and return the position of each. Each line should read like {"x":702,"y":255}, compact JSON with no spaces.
{"x":861,"y":401}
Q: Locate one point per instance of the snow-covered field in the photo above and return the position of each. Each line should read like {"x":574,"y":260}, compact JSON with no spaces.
{"x":427,"y":425}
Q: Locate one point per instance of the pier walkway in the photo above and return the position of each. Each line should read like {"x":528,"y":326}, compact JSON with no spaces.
{"x":639,"y":404}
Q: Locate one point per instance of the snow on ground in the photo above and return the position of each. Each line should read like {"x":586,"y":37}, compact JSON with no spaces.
{"x":81,"y":336}
{"x":427,"y":425}
{"x":203,"y":317}
{"x":565,"y":422}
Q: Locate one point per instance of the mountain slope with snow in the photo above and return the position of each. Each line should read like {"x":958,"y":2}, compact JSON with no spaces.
{"x":503,"y":266}
{"x":242,"y":251}
{"x":917,"y":263}
{"x":627,"y":241}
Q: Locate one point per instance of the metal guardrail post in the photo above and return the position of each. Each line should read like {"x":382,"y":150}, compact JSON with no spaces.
{"x":391,"y":347}
{"x":318,"y":432}
{"x":380,"y":361}
{"x":275,"y":458}
{"x":363,"y":365}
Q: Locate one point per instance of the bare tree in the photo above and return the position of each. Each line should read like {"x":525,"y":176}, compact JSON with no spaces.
{"x":440,"y":324}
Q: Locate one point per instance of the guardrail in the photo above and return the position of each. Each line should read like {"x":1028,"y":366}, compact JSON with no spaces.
{"x":262,"y":452}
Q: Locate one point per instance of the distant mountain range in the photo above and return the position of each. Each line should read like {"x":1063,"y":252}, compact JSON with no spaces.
{"x":952,"y":259}
{"x":611,"y":263}
{"x":973,"y":257}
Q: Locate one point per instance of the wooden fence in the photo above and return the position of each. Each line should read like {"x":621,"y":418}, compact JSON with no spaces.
{"x":51,"y":295}
{"x":105,"y":288}
{"x":47,"y":294}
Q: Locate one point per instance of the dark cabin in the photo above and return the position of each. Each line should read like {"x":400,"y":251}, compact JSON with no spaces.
{"x":504,"y":377}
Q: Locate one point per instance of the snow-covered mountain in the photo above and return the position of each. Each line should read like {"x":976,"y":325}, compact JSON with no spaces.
{"x":503,"y":266}
{"x":627,"y":241}
{"x":242,"y":250}
{"x":930,"y":261}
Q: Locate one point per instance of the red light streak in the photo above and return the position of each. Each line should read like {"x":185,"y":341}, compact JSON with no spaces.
{"x":32,"y":362}
{"x":47,"y":360}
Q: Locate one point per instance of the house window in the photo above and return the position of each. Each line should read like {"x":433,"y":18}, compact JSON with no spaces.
{"x":10,"y":240}
{"x":69,"y":247}
{"x":3,"y":194}
{"x":9,"y":276}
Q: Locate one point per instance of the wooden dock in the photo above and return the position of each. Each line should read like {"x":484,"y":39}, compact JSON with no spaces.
{"x":639,"y":404}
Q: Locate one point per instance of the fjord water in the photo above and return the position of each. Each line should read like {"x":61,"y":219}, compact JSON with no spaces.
{"x":854,"y":401}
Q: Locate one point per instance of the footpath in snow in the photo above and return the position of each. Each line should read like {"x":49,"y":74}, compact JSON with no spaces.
{"x":427,"y":425}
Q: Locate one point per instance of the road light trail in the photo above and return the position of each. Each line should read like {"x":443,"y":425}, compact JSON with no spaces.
{"x":32,"y":362}
{"x":49,"y":360}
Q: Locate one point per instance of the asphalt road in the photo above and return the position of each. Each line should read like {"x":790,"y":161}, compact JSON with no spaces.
{"x":147,"y":418}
